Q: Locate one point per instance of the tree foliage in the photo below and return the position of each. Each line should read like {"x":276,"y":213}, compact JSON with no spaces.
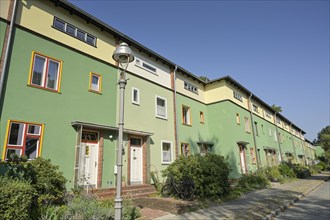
{"x":276,"y":108}
{"x":323,"y":138}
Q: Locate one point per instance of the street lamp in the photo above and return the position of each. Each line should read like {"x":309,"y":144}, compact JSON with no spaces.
{"x":123,"y":55}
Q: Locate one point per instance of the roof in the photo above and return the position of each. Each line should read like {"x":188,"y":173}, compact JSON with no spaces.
{"x":92,"y":19}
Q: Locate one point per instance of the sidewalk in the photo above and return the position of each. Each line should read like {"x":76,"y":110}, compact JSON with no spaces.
{"x":261,"y":204}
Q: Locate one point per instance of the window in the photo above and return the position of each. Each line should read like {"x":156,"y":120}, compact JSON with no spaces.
{"x":185,"y":149}
{"x":204,"y":148}
{"x":161,"y":107}
{"x":45,"y":72}
{"x":247,"y":125}
{"x":166,"y":152}
{"x":256,"y":128}
{"x":145,"y":65}
{"x":262,"y":129}
{"x":268,"y":114}
{"x":186,"y":120}
{"x":201,"y":117}
{"x":23,"y":139}
{"x":253,"y":156}
{"x":95,"y":83}
{"x":275,"y":136}
{"x":270,"y":132}
{"x":190,"y":87}
{"x":255,"y":108}
{"x":74,"y":31}
{"x":136,"y":96}
{"x":278,"y":121}
{"x":238,"y":120}
{"x":238,"y":96}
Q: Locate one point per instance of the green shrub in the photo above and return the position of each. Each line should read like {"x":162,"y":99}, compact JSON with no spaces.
{"x":286,"y":171}
{"x":273,"y":174}
{"x":16,"y":198}
{"x":256,"y":180}
{"x":315,"y":169}
{"x":43,"y":176}
{"x":87,"y":207}
{"x":301,"y":171}
{"x":323,"y":165}
{"x":209,"y":173}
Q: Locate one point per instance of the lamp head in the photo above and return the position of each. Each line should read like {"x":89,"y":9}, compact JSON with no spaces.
{"x":123,"y":55}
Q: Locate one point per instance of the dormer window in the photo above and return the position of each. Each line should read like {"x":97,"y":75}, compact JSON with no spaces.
{"x":190,"y":87}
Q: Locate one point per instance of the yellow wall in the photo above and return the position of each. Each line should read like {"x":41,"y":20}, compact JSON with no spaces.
{"x":4,"y":6}
{"x":39,"y":15}
{"x":180,"y":79}
{"x":222,"y":90}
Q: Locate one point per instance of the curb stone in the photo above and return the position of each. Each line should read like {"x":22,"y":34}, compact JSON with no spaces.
{"x":287,"y":204}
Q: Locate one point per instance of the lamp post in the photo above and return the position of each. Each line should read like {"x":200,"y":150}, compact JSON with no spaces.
{"x":123,"y":55}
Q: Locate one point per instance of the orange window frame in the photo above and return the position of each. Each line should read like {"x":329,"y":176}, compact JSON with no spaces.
{"x":91,"y":74}
{"x":25,"y":134}
{"x":45,"y":71}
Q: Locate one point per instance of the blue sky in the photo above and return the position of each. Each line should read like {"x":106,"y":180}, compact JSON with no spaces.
{"x":279,"y":50}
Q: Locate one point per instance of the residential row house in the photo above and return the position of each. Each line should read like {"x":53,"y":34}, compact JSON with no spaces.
{"x":59,"y":100}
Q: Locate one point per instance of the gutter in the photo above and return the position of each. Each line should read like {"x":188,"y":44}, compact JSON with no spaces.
{"x":303,"y":147}
{"x":8,"y":50}
{"x":294,"y":147}
{"x":175,"y":113}
{"x":253,"y":132}
{"x":278,"y":139}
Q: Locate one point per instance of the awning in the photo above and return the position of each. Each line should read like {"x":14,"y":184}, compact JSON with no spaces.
{"x":109,"y":128}
{"x":269,"y":148}
{"x":288,"y":152}
{"x":206,"y":142}
{"x":242,"y":143}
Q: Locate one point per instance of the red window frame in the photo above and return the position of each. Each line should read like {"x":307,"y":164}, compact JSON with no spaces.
{"x":25,"y":135}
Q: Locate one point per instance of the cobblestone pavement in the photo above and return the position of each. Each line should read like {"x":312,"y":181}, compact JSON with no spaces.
{"x":255,"y":205}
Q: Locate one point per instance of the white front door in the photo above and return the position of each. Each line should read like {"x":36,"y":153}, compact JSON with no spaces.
{"x":242,"y":159}
{"x":136,"y":162}
{"x":88,"y":166}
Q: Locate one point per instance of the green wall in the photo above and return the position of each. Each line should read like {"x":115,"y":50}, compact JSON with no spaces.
{"x":58,"y":110}
{"x":197,"y":131}
{"x":142,"y":117}
{"x":3,"y":26}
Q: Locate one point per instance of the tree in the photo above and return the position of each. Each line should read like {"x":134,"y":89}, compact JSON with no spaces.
{"x":204,"y":78}
{"x":276,"y":108}
{"x":323,"y":137}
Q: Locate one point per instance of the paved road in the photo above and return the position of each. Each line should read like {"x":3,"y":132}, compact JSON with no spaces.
{"x":314,"y":206}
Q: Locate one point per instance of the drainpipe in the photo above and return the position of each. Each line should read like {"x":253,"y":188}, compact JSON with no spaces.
{"x":278,"y":139}
{"x":175,"y":113}
{"x":253,"y":132}
{"x":7,"y":52}
{"x":294,"y":147}
{"x":302,"y":144}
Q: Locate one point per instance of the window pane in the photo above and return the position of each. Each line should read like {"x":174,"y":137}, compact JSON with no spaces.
{"x":95,"y":83}
{"x":135,"y":95}
{"x":34,"y":129}
{"x":38,"y":69}
{"x":167,"y":152}
{"x":16,"y":134}
{"x":12,"y":152}
{"x":161,"y":111}
{"x":52,"y":74}
{"x":81,"y":35}
{"x":31,"y":147}
{"x":90,"y":39}
{"x":135,"y":141}
{"x":70,"y":30}
{"x":59,"y":24}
